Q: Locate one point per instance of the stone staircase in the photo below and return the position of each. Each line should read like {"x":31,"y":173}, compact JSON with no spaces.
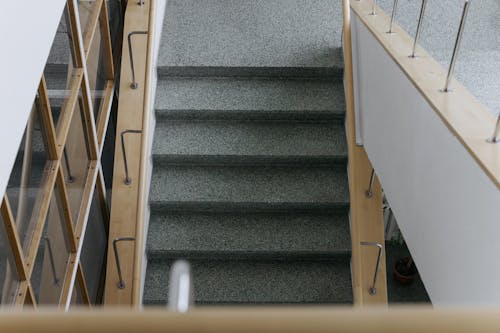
{"x":249,"y":157}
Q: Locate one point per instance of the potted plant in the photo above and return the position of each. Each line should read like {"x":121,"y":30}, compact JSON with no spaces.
{"x":405,"y":270}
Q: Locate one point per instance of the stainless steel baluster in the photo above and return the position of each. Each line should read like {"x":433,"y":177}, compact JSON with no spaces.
{"x":134,"y":84}
{"x":180,"y":293}
{"x":393,"y":16}
{"x":369,"y":192}
{"x":457,"y":46}
{"x":496,"y":134}
{"x":373,"y":289}
{"x":419,"y":27}
{"x":51,"y":260}
{"x":127,"y":180}
{"x":121,"y":283}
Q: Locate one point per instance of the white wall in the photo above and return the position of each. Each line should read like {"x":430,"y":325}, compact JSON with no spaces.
{"x":446,"y":206}
{"x":27,"y":31}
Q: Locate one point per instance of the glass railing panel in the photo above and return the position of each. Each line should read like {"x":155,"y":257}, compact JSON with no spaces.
{"x":75,"y":161}
{"x":53,"y":255}
{"x":29,"y":178}
{"x":94,"y":249}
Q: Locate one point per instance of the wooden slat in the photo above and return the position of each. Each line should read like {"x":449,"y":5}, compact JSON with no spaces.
{"x":14,"y":242}
{"x":365,"y":213}
{"x":106,"y":37}
{"x":83,"y":285}
{"x":46,"y":121}
{"x":22,"y":293}
{"x":69,"y":282}
{"x":104,"y":114}
{"x":68,"y":229}
{"x":30,"y":299}
{"x":460,"y":111}
{"x":92,"y":27}
{"x":101,"y":192}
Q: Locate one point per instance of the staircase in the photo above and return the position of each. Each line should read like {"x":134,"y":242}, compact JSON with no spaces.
{"x":249,"y":180}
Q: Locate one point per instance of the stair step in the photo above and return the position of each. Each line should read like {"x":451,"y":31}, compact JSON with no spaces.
{"x":249,"y":99}
{"x":218,"y":282}
{"x":257,"y":37}
{"x":174,"y":234}
{"x":249,"y":142}
{"x":251,"y":188}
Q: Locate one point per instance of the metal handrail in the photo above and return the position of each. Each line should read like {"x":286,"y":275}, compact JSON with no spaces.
{"x":68,"y":168}
{"x":393,"y":16}
{"x":457,"y":46}
{"x":180,"y":293}
{"x":373,"y":289}
{"x":134,"y":84}
{"x":496,"y":134}
{"x":51,"y":259}
{"x":369,"y":192}
{"x":121,"y":283}
{"x":127,"y":180}
{"x":419,"y":28}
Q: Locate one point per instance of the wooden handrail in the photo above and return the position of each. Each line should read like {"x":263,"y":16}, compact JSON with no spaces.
{"x":263,"y":320}
{"x":145,"y":147}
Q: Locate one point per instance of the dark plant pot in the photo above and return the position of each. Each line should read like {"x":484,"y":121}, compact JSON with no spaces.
{"x":403,"y":273}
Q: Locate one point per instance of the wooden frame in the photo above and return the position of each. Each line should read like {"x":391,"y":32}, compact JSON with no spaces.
{"x":366,"y":214}
{"x":54,"y":183}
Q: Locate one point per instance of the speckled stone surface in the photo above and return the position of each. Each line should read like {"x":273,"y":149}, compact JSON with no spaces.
{"x":478,"y":63}
{"x":249,"y":98}
{"x":258,"y":33}
{"x":249,"y":157}
{"x":190,"y":184}
{"x":257,"y":282}
{"x":182,"y":232}
{"x":218,"y":141}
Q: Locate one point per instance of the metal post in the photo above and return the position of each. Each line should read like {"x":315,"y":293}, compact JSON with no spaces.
{"x":134,"y":84}
{"x":373,"y":289}
{"x":68,"y":168}
{"x":180,"y":293}
{"x":373,"y":8}
{"x":121,"y":283}
{"x":457,"y":46}
{"x":52,"y":263}
{"x":369,"y":192}
{"x":419,"y":27}
{"x":127,"y":180}
{"x":496,"y":135}
{"x":393,"y":16}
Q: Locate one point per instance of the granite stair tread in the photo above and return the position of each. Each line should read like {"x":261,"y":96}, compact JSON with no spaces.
{"x":238,"y":98}
{"x":278,"y":234}
{"x":257,"y":282}
{"x":251,"y":34}
{"x":249,"y":142}
{"x":256,"y":186}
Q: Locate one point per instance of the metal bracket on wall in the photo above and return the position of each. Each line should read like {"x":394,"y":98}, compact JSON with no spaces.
{"x":373,"y":289}
{"x":134,"y":83}
{"x":127,"y":180}
{"x":121,"y":283}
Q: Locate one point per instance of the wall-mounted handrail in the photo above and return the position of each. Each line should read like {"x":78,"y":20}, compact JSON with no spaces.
{"x":127,"y":180}
{"x":68,"y":168}
{"x":134,"y":83}
{"x":419,"y":28}
{"x":180,"y":290}
{"x":496,"y":134}
{"x":369,"y":192}
{"x":456,"y":48}
{"x":121,"y":283}
{"x":393,"y":16}
{"x":52,"y":263}
{"x":373,"y":289}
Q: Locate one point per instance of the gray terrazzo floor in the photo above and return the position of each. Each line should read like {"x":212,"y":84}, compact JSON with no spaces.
{"x":478,"y":63}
